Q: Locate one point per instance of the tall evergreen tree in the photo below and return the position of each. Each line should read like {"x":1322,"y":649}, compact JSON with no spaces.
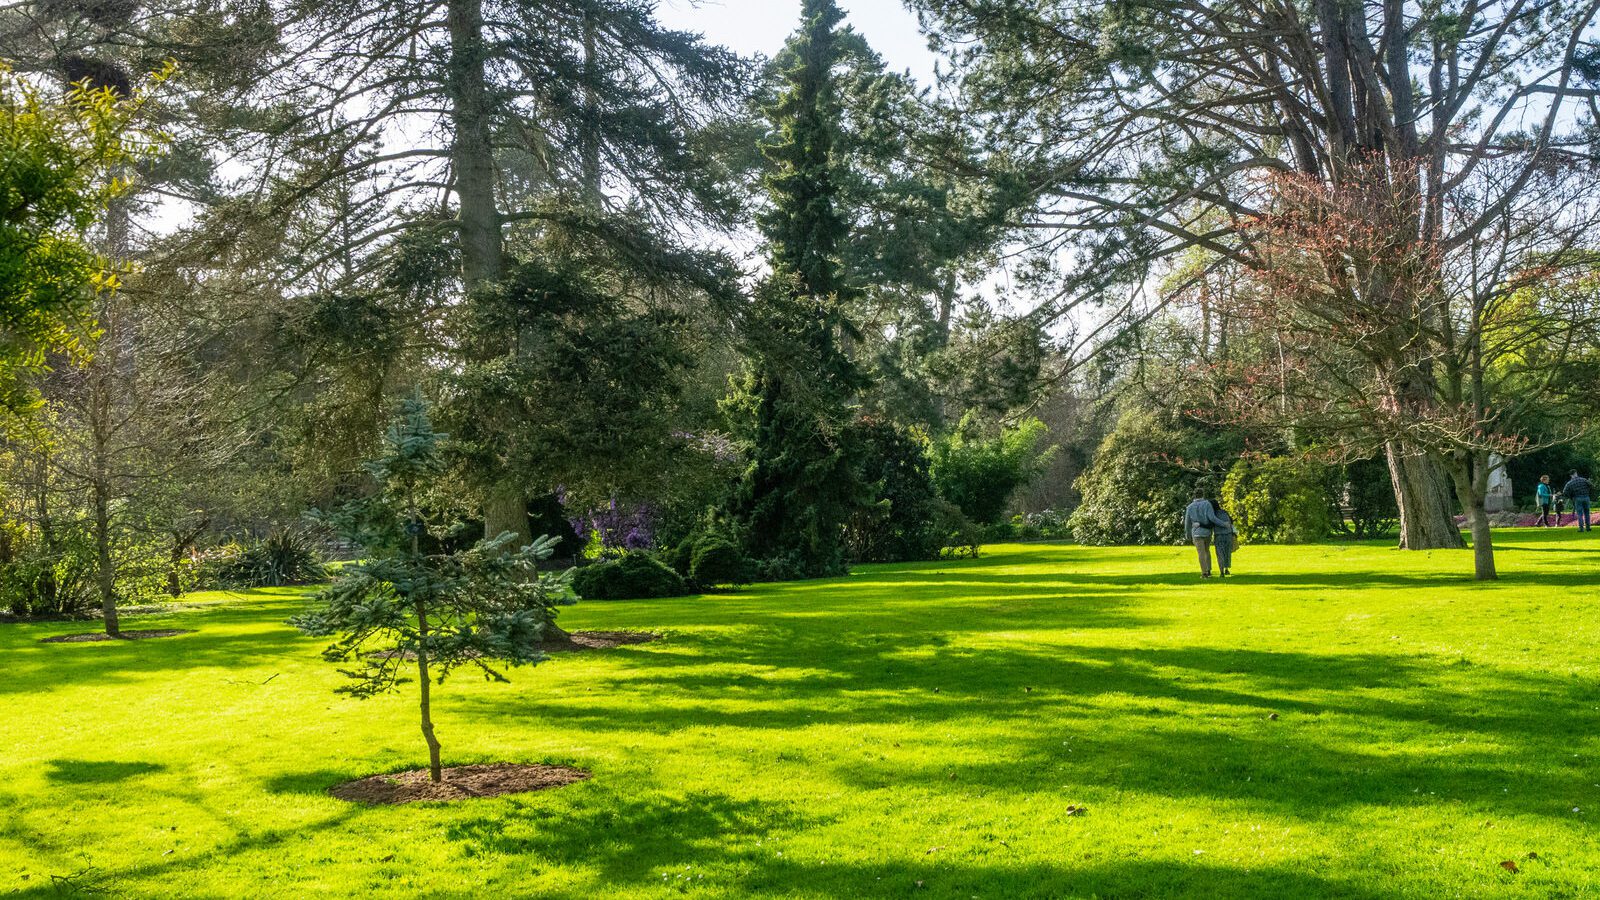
{"x":801,"y":390}
{"x":496,"y":131}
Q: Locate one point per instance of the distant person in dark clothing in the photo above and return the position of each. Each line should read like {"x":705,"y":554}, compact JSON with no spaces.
{"x":1223,"y":538}
{"x":1198,"y":521}
{"x":1547,"y":500}
{"x":1579,"y":489}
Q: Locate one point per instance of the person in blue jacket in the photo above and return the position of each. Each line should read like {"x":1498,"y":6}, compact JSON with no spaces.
{"x":1547,"y":499}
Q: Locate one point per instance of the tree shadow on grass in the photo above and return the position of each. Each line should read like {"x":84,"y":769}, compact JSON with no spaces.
{"x":722,"y":843}
{"x":84,"y":771}
{"x":1353,"y":729}
{"x":217,"y":641}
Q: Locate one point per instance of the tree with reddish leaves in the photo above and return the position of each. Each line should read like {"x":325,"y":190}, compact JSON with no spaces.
{"x":1153,"y":130}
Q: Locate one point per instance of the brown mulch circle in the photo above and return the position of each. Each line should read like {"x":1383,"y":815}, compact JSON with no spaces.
{"x":572,"y":643}
{"x":460,"y":783}
{"x":120,"y":636}
{"x":597,"y":640}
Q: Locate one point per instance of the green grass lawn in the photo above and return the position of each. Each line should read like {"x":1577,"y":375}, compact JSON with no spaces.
{"x":907,"y":731}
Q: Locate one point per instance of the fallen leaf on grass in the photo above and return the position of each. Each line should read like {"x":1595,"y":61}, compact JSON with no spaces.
{"x":1273,"y":717}
{"x":1509,"y":866}
{"x":1077,"y":810}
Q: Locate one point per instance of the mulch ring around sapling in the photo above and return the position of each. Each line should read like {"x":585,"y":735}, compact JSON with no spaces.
{"x":460,"y":783}
{"x":120,"y":636}
{"x":569,"y":642}
{"x":596,"y":640}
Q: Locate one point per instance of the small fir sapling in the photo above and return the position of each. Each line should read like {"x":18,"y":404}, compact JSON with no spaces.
{"x":400,"y":607}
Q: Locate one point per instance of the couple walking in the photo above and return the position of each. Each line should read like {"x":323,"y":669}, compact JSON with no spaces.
{"x":1576,"y":491}
{"x":1205,"y":523}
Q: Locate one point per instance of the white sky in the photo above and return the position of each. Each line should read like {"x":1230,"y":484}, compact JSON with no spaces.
{"x":761,"y":26}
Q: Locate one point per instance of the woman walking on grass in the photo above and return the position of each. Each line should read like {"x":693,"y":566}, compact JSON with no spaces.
{"x":1547,"y":499}
{"x":1223,"y":537}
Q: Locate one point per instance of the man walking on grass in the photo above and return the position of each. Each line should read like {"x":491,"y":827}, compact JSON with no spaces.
{"x":1198,"y":520}
{"x":1578,"y":490}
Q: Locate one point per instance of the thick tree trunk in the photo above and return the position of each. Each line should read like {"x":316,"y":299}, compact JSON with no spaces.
{"x":507,"y":510}
{"x":1427,"y":520}
{"x":471,"y":153}
{"x":482,"y":245}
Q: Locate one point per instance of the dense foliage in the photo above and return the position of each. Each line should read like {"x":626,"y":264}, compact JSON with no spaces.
{"x":979,"y":473}
{"x":632,"y":576}
{"x":286,"y":556}
{"x":1142,"y":478}
{"x":1283,"y":500}
{"x":61,"y":162}
{"x":802,"y":480}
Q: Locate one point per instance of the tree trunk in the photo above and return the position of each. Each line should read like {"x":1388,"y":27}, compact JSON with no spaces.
{"x":482,"y":244}
{"x":507,"y":510}
{"x":471,"y":153}
{"x":435,"y":771}
{"x":105,"y":569}
{"x":1471,"y":478}
{"x":1427,"y":521}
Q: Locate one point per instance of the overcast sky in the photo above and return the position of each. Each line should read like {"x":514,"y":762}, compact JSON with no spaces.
{"x":761,"y":26}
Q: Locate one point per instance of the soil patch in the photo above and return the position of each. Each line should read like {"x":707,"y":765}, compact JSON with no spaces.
{"x":121,"y":636}
{"x":597,"y":640}
{"x":460,"y":783}
{"x":573,"y":642}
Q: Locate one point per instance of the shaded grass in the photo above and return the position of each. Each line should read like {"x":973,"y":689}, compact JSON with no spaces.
{"x":1340,"y":720}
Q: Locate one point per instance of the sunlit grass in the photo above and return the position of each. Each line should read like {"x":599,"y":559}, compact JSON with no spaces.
{"x":1338,"y":720}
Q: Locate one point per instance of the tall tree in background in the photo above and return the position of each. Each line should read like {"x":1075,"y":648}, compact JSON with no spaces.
{"x":1150,"y":128}
{"x":800,"y":393}
{"x":487,"y":127}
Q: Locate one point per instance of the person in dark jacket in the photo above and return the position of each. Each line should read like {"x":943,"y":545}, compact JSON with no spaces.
{"x":1578,"y":490}
{"x":1224,"y":538}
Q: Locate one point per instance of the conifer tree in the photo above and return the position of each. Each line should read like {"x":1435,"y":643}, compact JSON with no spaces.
{"x":400,"y":607}
{"x":801,"y":389}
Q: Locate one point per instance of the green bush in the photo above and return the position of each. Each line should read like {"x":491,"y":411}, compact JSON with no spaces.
{"x":1282,"y":500}
{"x":905,"y":523}
{"x":1143,"y":476}
{"x":286,"y":556}
{"x":1370,"y":496}
{"x":717,"y":560}
{"x":47,"y":578}
{"x":980,"y":473}
{"x":635,"y":576}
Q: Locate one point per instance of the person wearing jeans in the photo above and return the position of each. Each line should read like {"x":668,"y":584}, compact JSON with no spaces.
{"x":1579,"y":489}
{"x":1198,"y":520}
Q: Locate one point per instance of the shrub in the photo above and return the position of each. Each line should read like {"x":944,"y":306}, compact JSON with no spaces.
{"x":635,"y":576}
{"x":47,"y":578}
{"x":1047,"y":524}
{"x":1141,"y":479}
{"x":1370,"y":496}
{"x":1285,"y":500}
{"x":979,"y":474}
{"x":717,"y":560}
{"x":286,"y":556}
{"x":904,"y":523}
